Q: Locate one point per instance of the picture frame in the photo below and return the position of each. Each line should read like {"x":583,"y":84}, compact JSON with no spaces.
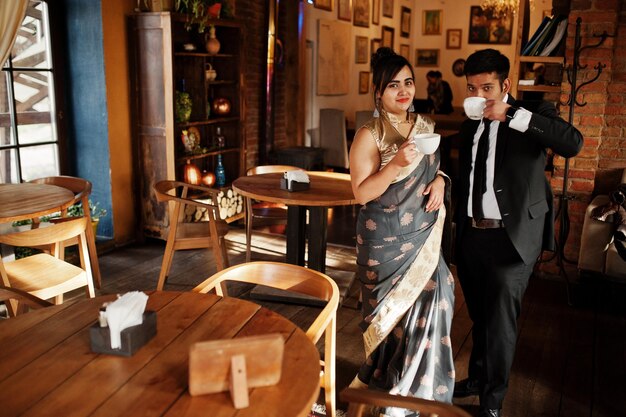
{"x":375,"y":12}
{"x":360,"y":50}
{"x":323,"y":4}
{"x":361,"y":13}
{"x":458,"y":67}
{"x":344,"y":10}
{"x":364,"y":82}
{"x":431,"y":22}
{"x":387,"y":8}
{"x":386,"y":37}
{"x":405,"y":22}
{"x":486,"y":28}
{"x":454,"y":38}
{"x":427,"y":57}
{"x":374,"y":45}
{"x":405,"y":51}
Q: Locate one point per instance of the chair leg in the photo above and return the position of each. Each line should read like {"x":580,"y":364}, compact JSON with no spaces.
{"x":329,"y":368}
{"x":93,"y":256}
{"x":58,"y":299}
{"x":248,"y":229}
{"x":169,"y":247}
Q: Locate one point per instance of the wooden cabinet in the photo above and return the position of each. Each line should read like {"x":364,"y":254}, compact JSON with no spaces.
{"x":167,"y":58}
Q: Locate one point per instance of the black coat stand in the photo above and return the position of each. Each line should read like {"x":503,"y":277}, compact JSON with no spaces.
{"x":563,"y":213}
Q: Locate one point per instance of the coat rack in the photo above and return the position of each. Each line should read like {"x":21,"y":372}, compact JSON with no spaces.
{"x":572,"y":102}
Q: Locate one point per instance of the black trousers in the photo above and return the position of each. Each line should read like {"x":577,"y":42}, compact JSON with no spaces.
{"x":493,"y":278}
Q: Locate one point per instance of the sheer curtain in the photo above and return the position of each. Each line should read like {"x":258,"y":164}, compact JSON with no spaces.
{"x":12,"y":13}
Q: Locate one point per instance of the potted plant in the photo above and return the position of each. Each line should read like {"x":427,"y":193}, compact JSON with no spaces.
{"x":95,"y":212}
{"x":200,"y":11}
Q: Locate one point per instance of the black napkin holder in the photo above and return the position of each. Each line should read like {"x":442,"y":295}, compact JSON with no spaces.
{"x":132,"y":337}
{"x":295,"y":185}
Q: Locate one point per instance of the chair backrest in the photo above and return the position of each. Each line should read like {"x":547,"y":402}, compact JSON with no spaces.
{"x":79,"y":186}
{"x":9,"y":293}
{"x":333,"y":137}
{"x":270,"y":169}
{"x":166,"y":191}
{"x":361,"y":117}
{"x":284,"y":277}
{"x":358,"y":399}
{"x":52,"y":234}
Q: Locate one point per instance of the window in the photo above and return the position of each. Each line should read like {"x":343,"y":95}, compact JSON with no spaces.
{"x":29,"y":145}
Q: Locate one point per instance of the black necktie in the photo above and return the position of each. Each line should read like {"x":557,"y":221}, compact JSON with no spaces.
{"x":480,"y":172}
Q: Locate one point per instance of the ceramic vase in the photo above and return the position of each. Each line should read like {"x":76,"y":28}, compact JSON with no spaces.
{"x":212,"y":43}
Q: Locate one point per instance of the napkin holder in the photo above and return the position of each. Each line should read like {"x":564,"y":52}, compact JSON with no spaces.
{"x":295,"y":185}
{"x":132,"y":337}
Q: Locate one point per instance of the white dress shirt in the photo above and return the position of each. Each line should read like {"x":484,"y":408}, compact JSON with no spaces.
{"x":490,"y":205}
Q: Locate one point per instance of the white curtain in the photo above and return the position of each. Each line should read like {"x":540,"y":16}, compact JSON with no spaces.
{"x":12,"y":14}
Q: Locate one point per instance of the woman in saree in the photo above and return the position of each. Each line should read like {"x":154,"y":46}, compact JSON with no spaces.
{"x":407,"y":289}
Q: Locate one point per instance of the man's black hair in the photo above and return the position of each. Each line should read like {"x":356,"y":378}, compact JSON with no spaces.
{"x":487,"y":61}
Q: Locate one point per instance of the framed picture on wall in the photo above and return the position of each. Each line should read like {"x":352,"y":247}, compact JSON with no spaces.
{"x":323,"y":4}
{"x":387,"y":36}
{"x":453,"y":38}
{"x":387,"y":8}
{"x":405,"y":51}
{"x":364,"y":82}
{"x":344,"y":10}
{"x":362,"y":13}
{"x":431,"y":22}
{"x":405,"y":22}
{"x":375,"y":12}
{"x":485,"y":28}
{"x":360,"y":50}
{"x":375,"y":44}
{"x":427,"y":57}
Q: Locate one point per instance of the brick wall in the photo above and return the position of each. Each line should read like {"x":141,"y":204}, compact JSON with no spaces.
{"x":602,"y":120}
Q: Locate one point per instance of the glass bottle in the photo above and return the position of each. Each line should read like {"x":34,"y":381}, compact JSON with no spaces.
{"x":219,"y":140}
{"x":220,"y":174}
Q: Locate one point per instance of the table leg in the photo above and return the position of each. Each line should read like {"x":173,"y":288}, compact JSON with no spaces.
{"x":296,"y":223}
{"x":318,"y":223}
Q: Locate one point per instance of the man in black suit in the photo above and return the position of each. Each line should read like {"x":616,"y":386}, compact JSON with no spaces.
{"x":504,"y":217}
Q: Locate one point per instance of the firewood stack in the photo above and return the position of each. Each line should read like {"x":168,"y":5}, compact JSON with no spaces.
{"x":230,"y":204}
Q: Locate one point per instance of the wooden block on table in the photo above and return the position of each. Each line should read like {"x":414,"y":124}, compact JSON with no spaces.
{"x":211,"y":368}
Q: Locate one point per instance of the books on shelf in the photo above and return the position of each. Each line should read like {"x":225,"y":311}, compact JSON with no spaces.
{"x":547,"y":37}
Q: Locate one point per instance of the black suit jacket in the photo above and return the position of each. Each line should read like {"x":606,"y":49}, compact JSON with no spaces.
{"x":522,"y":191}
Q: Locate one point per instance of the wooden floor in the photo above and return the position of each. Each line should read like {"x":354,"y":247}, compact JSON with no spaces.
{"x":570,"y":361}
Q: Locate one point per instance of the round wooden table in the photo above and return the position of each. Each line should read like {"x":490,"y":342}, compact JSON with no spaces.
{"x":327,"y":189}
{"x":27,"y":200}
{"x":47,"y":367}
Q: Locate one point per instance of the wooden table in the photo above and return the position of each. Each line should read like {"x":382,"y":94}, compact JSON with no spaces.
{"x":26,"y":200}
{"x":327,"y":189}
{"x":47,"y":367}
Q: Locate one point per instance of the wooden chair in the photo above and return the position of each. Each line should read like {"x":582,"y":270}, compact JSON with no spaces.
{"x":22,"y":297}
{"x":43,"y":275}
{"x":81,"y":189}
{"x":181,"y":235}
{"x":333,"y":138}
{"x":301,"y":280}
{"x":270,"y":212}
{"x":361,"y":399}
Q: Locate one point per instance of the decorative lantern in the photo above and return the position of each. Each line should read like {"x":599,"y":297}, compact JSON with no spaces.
{"x":221,"y":106}
{"x":208,"y":178}
{"x":192,"y":174}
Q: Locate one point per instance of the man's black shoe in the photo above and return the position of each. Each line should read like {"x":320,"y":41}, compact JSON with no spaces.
{"x":489,"y":412}
{"x":465,"y":388}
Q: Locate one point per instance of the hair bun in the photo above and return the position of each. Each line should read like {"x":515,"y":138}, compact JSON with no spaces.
{"x":380,"y":54}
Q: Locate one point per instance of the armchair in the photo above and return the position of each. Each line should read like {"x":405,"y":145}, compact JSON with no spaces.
{"x":598,"y":253}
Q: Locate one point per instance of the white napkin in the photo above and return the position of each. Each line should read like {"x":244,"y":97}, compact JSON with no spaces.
{"x":296,"y":175}
{"x":125,"y":312}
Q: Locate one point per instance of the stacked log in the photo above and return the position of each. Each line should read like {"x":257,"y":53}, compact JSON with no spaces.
{"x":229,"y":203}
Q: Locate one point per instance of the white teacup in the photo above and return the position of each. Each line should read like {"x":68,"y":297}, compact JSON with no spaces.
{"x":474,"y":107}
{"x":427,"y":143}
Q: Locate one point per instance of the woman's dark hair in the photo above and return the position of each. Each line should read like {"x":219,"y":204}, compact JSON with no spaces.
{"x":488,"y":60}
{"x":385,"y":65}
